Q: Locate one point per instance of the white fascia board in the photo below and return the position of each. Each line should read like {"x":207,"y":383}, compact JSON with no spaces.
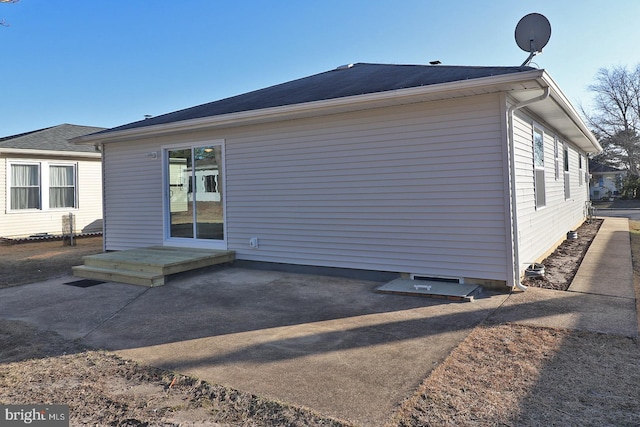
{"x":351,"y":103}
{"x":561,"y":100}
{"x":48,"y":153}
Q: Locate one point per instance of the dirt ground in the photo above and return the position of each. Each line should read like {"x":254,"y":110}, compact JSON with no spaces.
{"x":561,"y":265}
{"x":42,"y":259}
{"x":500,"y":375}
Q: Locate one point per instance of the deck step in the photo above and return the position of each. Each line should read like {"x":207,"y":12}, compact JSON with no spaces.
{"x":431,"y":288}
{"x":148,"y":266}
{"x":118,"y":275}
{"x":159,"y":259}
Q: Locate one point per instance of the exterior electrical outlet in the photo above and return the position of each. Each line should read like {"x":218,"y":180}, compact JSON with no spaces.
{"x":253,"y":242}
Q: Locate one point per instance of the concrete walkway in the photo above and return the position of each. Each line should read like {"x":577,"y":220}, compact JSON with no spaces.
{"x":601,"y":297}
{"x":326,"y":343}
{"x":607,"y":268}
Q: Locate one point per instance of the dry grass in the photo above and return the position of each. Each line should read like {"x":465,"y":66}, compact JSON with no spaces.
{"x":520,"y":375}
{"x":592,"y":380}
{"x":482,"y":381}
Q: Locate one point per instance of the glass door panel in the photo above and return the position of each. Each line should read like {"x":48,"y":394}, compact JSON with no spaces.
{"x":207,"y":200}
{"x":196,"y":208}
{"x":180,"y":209}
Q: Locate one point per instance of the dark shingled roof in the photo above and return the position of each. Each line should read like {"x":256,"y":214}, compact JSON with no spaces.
{"x":358,"y":79}
{"x":53,"y":138}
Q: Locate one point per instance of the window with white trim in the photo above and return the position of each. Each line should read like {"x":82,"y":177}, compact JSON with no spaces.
{"x":538,"y":167}
{"x":580,"y":170}
{"x":62,"y":186}
{"x":556,"y":157}
{"x":25,"y":186}
{"x":42,"y":185}
{"x":567,"y":181}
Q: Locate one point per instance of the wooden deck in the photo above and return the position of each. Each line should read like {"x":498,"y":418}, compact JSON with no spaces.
{"x":148,"y":266}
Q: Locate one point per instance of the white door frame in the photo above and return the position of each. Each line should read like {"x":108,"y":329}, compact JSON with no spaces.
{"x":185,"y":241}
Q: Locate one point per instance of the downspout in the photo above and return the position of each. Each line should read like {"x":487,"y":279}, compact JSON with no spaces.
{"x":104,"y":197}
{"x":512,"y":177}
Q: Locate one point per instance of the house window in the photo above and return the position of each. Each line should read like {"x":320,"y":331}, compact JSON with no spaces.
{"x":190,"y":181}
{"x":580,"y":170}
{"x":62,"y":186}
{"x":538,"y":166}
{"x":210,"y":184}
{"x":25,"y":186}
{"x":567,"y":183}
{"x":42,"y":185}
{"x":556,"y":157}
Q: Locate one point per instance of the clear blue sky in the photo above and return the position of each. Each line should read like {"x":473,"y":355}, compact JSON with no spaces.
{"x":107,"y":63}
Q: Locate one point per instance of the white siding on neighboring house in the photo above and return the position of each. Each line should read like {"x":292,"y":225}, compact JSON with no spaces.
{"x":3,"y":187}
{"x":540,"y":228}
{"x":88,"y":212}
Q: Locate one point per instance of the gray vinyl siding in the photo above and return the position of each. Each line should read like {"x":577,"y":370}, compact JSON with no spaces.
{"x":541,"y":228}
{"x":415,"y":189}
{"x":133,"y":196}
{"x":88,"y":214}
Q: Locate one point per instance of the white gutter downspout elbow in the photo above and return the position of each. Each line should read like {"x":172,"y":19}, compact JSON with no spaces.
{"x":512,"y":176}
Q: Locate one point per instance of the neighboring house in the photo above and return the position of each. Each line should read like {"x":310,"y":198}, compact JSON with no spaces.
{"x":606,"y":181}
{"x":44,"y":178}
{"x":469,"y":173}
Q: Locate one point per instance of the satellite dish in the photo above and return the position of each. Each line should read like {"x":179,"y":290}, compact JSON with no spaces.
{"x":532,"y":34}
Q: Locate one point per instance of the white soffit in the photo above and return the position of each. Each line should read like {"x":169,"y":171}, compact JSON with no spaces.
{"x":559,"y":114}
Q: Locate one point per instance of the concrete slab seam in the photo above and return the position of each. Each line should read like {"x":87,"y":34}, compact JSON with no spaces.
{"x":114,"y":314}
{"x":599,"y":294}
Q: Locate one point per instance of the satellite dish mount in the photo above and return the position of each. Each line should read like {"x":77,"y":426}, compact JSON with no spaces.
{"x":532,"y":34}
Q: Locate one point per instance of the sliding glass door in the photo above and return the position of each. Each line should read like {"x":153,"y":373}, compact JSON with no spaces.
{"x":194,"y":189}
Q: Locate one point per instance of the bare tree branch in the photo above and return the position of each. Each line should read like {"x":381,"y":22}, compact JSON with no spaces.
{"x":616,"y":117}
{"x":3,"y":23}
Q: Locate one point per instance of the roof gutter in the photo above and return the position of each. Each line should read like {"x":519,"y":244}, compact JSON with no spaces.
{"x":561,"y":100}
{"x":49,"y":153}
{"x":308,"y":109}
{"x":512,"y":183}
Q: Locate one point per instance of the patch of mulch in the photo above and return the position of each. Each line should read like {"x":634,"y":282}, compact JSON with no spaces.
{"x":562,"y":265}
